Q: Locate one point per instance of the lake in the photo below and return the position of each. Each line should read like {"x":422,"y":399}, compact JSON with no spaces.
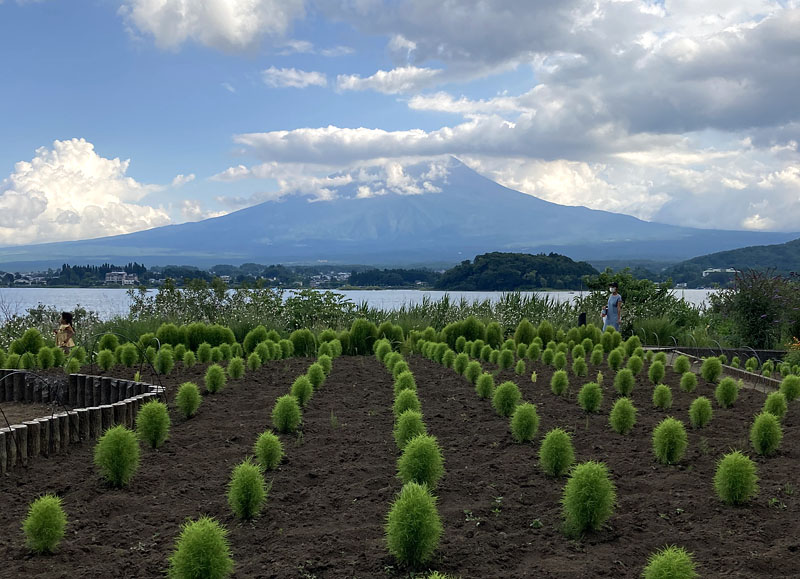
{"x":109,"y":302}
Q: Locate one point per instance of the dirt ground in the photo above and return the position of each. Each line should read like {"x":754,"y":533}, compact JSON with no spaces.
{"x":329,"y":499}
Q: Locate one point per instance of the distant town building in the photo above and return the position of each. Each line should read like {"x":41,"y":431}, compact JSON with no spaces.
{"x":121,"y":278}
{"x":711,"y":270}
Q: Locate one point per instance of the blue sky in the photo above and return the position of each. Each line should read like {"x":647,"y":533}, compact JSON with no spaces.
{"x":124,"y":115}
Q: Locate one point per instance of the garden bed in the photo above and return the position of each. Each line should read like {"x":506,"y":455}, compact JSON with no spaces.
{"x":501,"y":515}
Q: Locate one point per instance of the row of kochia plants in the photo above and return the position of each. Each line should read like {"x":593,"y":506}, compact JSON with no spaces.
{"x":589,"y":496}
{"x":202,"y":548}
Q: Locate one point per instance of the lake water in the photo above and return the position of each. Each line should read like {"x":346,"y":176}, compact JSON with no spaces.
{"x":112,"y":302}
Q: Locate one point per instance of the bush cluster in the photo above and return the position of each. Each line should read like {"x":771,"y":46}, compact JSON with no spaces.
{"x":302,"y":389}
{"x":408,"y":425}
{"x":286,"y":413}
{"x":671,"y":562}
{"x":662,"y":397}
{"x":727,"y":392}
{"x":484,"y":385}
{"x":559,"y":382}
{"x":766,"y":434}
{"x":405,"y":400}
{"x":624,"y":382}
{"x":590,"y":397}
{"x":711,"y":369}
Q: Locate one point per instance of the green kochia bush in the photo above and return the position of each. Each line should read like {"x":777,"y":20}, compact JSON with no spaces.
{"x":286,"y":414}
{"x":226,"y":351}
{"x":45,"y":523}
{"x":494,"y":356}
{"x":129,"y":355}
{"x":400,"y":367}
{"x":711,"y":369}
{"x":669,"y":441}
{"x":533,"y":352}
{"x":189,"y":359}
{"x":216,"y":354}
{"x":105,"y":359}
{"x":790,"y":387}
{"x":72,"y":367}
{"x":391,"y":359}
{"x":404,"y":381}
{"x":58,"y":357}
{"x":484,"y":385}
{"x":152,"y":423}
{"x":164,"y":361}
{"x":766,"y":434}
{"x":413,"y":526}
{"x":204,"y":353}
{"x":268,"y":450}
{"x":681,"y":365}
{"x":623,"y":416}
{"x":735,"y":480}
{"x":202,"y":550}
{"x":524,"y":422}
{"x":559,"y":382}
{"x":474,"y":369}
{"x":108,"y":342}
{"x":448,"y":359}
{"x":556,"y":454}
{"x":247,"y":490}
{"x":460,"y":363}
{"x":253,"y":338}
{"x":236,"y":368}
{"x":45,"y":359}
{"x":116,"y":455}
{"x":362,"y":335}
{"x":727,"y":392}
{"x":302,"y":389}
{"x":688,"y":381}
{"x":590,"y":397}
{"x":624,"y":382}
{"x":408,"y":425}
{"x":635,"y":364}
{"x":520,"y":367}
{"x":405,"y":400}
{"x":326,"y":363}
{"x":421,"y":461}
{"x":671,"y":562}
{"x":597,"y":356}
{"x":215,"y":378}
{"x":303,"y":342}
{"x":253,"y":362}
{"x":486,"y":354}
{"x":656,"y":372}
{"x":286,"y":348}
{"x":548,"y":356}
{"x":188,"y":399}
{"x":316,"y":374}
{"x":589,"y":498}
{"x":560,"y":360}
{"x":700,"y":412}
{"x":505,"y":398}
{"x":662,"y":397}
{"x":506,"y":359}
{"x":579,"y":367}
{"x":615,"y":359}
{"x":776,"y":404}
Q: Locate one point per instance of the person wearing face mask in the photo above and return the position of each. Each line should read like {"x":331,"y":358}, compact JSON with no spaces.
{"x":614,"y":313}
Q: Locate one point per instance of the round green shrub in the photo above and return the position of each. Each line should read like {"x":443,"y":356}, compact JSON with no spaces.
{"x":202,"y":550}
{"x":506,"y":359}
{"x":578,"y":351}
{"x":302,"y":389}
{"x":326,"y":363}
{"x":505,"y":398}
{"x":559,"y":382}
{"x":30,"y":341}
{"x":520,"y":367}
{"x":597,"y":356}
{"x":548,"y":356}
{"x":669,"y":441}
{"x":486,"y":354}
{"x":247,"y":490}
{"x":476,"y":348}
{"x":522,"y":349}
{"x":735,"y":480}
{"x":560,"y":361}
{"x":286,"y":348}
{"x":286,"y":414}
{"x":58,"y":357}
{"x":681,"y":365}
{"x":164,"y":361}
{"x":727,"y":392}
{"x":105,"y":360}
{"x":533,"y":352}
{"x":188,"y":399}
{"x":336,"y":347}
{"x":226,"y":351}
{"x":776,"y":404}
{"x":204,"y":353}
{"x":253,"y":362}
{"x":688,"y":381}
{"x":324,"y":349}
{"x":236,"y":368}
{"x":545,"y":331}
{"x":215,"y":378}
{"x":700,"y":412}
{"x":189,"y":359}
{"x":661,"y":357}
{"x":590,"y":397}
{"x":405,"y":400}
{"x":525,"y":332}
{"x":116,"y":455}
{"x":303,"y":342}
{"x":268,"y":450}
{"x":509,"y":345}
{"x":635,"y":364}
{"x":589,"y":498}
{"x":152,"y":423}
{"x":253,"y":338}
{"x":12,"y":361}
{"x":671,"y":562}
{"x":556,"y":454}
{"x":316,"y":375}
{"x":579,"y":367}
{"x":216,"y":354}
{"x":400,"y":367}
{"x":408,"y":425}
{"x":362,"y":335}
{"x":711,"y":369}
{"x":108,"y":342}
{"x":45,"y":359}
{"x":128,"y":355}
{"x":439,"y":352}
{"x":473,"y":370}
{"x":623,"y":416}
{"x":524,"y":422}
{"x":265,"y":349}
{"x":421,"y":461}
{"x":179,"y":351}
{"x":766,"y":434}
{"x":790,"y":387}
{"x":460,"y":343}
{"x":494,"y":356}
{"x":484,"y":385}
{"x":562,"y":347}
{"x":72,"y":367}
{"x":615,"y":359}
{"x":413,"y":527}
{"x":460,"y":363}
{"x":662,"y":397}
{"x":624,"y":382}
{"x":391,"y":359}
{"x":448,"y":359}
{"x":44,"y":525}
{"x":656,"y":372}
{"x":735,"y":362}
{"x":404,"y":381}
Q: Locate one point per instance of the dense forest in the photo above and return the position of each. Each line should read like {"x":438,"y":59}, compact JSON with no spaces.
{"x":87,"y":275}
{"x":394,"y":277}
{"x":516,"y":271}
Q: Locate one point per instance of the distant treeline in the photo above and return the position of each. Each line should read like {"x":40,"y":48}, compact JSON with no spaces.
{"x":394,"y":277}
{"x":91,"y":274}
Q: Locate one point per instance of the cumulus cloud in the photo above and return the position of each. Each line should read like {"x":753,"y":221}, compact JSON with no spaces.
{"x":192,"y":210}
{"x":70,"y":192}
{"x":229,"y":25}
{"x":181,"y":180}
{"x":291,"y":77}
{"x":398,"y":80}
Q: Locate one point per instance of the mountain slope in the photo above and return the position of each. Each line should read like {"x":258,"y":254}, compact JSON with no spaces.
{"x":469,"y":215}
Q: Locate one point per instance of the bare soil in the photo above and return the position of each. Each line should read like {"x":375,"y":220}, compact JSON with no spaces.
{"x":329,"y":498}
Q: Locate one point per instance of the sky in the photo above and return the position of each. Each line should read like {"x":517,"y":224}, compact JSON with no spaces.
{"x":117,"y":116}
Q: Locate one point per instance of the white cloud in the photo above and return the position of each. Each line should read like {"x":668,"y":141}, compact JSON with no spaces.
{"x":297,"y":46}
{"x":181,"y":180}
{"x":291,"y":77}
{"x":403,"y":79}
{"x":192,"y":210}
{"x":336,"y":51}
{"x":229,"y":87}
{"x":230,"y":25}
{"x":70,"y":192}
{"x":232,"y":174}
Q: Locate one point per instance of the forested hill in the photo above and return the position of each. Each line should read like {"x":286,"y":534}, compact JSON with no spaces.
{"x":516,"y":271}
